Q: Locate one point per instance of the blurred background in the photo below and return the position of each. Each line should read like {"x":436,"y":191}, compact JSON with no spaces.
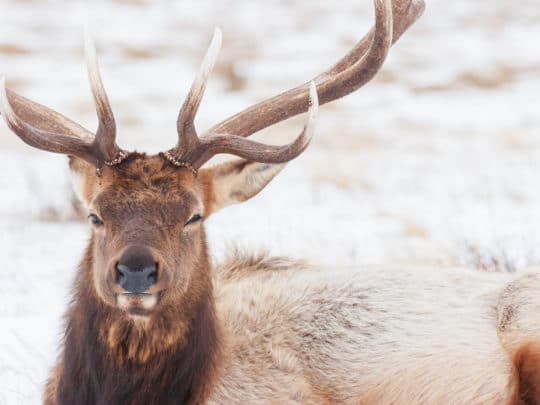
{"x":436,"y":161}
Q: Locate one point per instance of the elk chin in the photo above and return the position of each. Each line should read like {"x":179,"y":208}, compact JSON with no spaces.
{"x":137,"y":305}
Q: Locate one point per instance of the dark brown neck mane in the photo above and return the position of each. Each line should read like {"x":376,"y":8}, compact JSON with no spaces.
{"x":137,"y":370}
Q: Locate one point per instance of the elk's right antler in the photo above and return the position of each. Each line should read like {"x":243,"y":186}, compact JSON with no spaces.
{"x":46,"y":129}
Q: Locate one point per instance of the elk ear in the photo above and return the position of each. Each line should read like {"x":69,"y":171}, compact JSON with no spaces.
{"x":235,"y":181}
{"x":82,"y":177}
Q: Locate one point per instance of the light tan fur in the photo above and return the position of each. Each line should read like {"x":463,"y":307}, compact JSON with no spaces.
{"x":392,"y":335}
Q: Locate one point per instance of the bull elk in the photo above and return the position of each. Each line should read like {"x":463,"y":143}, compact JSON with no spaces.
{"x":152,"y":322}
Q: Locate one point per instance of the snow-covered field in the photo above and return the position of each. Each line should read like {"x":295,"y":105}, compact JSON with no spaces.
{"x":436,"y":161}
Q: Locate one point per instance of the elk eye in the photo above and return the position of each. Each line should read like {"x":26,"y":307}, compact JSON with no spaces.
{"x":95,"y":220}
{"x":194,"y":218}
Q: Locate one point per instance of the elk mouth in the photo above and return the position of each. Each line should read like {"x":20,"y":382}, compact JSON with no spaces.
{"x":137,"y":304}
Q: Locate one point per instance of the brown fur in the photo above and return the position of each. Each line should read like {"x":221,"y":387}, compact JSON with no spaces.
{"x":527,"y":369}
{"x":517,"y":314}
{"x":109,"y":358}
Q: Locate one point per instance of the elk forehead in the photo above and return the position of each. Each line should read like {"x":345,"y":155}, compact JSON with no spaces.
{"x":138,"y":204}
{"x":146,"y":185}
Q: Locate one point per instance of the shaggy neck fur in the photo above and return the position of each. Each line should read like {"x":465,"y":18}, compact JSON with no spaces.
{"x":111,"y":359}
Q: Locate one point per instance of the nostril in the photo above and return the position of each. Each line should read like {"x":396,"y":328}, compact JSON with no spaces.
{"x":152,"y":276}
{"x":121,"y":273}
{"x":152,"y":273}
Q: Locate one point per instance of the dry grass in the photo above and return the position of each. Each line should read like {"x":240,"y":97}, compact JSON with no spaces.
{"x":11,"y":49}
{"x":486,"y":262}
{"x":498,"y":77}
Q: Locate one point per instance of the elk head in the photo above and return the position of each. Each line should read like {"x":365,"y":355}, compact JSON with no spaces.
{"x":146,"y":212}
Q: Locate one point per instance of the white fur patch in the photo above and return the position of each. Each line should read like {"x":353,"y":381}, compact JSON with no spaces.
{"x":132,"y":301}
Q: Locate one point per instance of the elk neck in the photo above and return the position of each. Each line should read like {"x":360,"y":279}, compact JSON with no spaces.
{"x":109,"y":358}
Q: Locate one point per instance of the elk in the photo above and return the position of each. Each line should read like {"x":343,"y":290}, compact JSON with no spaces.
{"x":152,"y":322}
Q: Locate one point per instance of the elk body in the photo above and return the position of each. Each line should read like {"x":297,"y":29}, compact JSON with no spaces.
{"x":152,"y":322}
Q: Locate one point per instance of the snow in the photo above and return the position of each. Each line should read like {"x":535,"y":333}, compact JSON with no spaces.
{"x":436,"y":161}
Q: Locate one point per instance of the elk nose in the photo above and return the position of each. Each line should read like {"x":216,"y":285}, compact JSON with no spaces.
{"x":136,"y":271}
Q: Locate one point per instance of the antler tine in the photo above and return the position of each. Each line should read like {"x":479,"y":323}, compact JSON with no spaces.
{"x":362,"y":71}
{"x":405,"y":13}
{"x":256,"y":151}
{"x":187,"y":134}
{"x":42,"y":139}
{"x":105,"y":140}
{"x":293,"y":102}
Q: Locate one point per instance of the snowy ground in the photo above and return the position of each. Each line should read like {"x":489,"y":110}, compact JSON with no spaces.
{"x":436,"y":161}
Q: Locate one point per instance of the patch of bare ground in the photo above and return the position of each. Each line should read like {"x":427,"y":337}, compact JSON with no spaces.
{"x":132,"y":121}
{"x":517,"y":143}
{"x":237,"y":50}
{"x":139,"y":53}
{"x":411,"y":229}
{"x":12,"y":49}
{"x":229,"y":72}
{"x":386,"y":76}
{"x":340,"y":179}
{"x":499,"y":76}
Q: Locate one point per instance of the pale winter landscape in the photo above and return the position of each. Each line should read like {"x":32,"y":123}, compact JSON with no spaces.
{"x":437,"y":161}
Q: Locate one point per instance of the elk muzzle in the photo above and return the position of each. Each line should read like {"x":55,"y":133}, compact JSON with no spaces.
{"x":137,"y":275}
{"x":137,"y":270}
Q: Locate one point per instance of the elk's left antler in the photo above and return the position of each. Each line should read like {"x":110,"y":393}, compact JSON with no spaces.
{"x":354,"y":70}
{"x":192,"y":151}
